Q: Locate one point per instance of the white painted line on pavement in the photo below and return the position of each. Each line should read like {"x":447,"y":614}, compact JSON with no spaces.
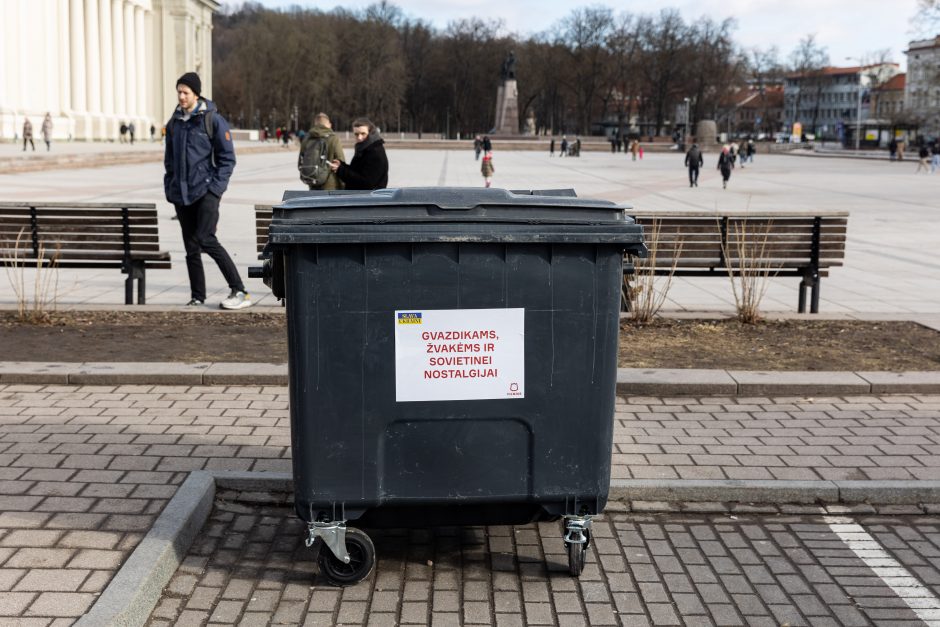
{"x":919,"y":598}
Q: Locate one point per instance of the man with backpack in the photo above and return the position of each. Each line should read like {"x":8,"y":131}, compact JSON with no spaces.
{"x":199,"y":160}
{"x":319,"y":147}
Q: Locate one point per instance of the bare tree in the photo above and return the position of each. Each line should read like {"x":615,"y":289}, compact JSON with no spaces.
{"x":584,"y":34}
{"x":808,"y":61}
{"x":663,"y":46}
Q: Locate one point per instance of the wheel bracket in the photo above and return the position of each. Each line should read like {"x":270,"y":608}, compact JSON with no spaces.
{"x":333,"y":535}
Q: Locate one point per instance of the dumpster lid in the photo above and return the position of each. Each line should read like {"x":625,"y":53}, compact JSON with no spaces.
{"x":452,"y":214}
{"x":445,"y":198}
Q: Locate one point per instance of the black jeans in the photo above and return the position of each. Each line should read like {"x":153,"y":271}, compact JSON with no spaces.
{"x":198,"y":222}
{"x":693,"y":174}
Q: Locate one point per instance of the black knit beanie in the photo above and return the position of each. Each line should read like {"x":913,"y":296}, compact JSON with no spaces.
{"x":191,"y":80}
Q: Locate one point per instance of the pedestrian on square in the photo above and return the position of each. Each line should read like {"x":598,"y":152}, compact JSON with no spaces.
{"x":123,"y":130}
{"x":28,"y":134}
{"x":477,"y":147}
{"x":935,"y":156}
{"x":551,"y":148}
{"x":199,"y":160}
{"x":750,"y":150}
{"x":369,"y":166}
{"x":924,"y":155}
{"x":319,"y":147}
{"x":487,"y":144}
{"x":487,"y":169}
{"x":564,"y":146}
{"x":635,"y":148}
{"x":694,"y":160}
{"x":892,"y":149}
{"x":725,"y":164}
{"x":153,"y":130}
{"x":131,"y":129}
{"x":46,"y":131}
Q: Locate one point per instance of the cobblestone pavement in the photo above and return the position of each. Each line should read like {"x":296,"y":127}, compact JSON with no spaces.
{"x":250,"y":567}
{"x":84,"y":471}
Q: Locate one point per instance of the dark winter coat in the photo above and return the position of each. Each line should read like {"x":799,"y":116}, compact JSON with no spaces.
{"x":725,"y":163}
{"x":693,"y":158}
{"x":369,"y":166}
{"x":194,"y":163}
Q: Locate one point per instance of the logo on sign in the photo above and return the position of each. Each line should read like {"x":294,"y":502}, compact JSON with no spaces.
{"x":409,"y":317}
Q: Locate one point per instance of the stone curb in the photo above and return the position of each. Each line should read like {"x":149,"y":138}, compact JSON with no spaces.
{"x":630,"y":381}
{"x":135,"y":590}
{"x":131,"y":596}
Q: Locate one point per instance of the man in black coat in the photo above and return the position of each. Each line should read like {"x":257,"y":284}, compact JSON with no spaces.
{"x":369,"y":166}
{"x":694,"y":160}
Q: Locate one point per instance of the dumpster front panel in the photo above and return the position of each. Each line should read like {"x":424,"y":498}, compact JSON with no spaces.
{"x":356,"y":449}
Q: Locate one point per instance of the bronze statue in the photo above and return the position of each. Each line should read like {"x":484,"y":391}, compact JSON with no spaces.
{"x":509,"y":67}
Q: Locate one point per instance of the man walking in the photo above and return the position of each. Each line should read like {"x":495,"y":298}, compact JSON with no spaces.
{"x":199,"y":160}
{"x":319,"y":147}
{"x":693,"y":161}
{"x":369,"y":166}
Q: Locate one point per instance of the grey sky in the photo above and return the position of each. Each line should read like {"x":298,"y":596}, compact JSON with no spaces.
{"x":844,"y":27}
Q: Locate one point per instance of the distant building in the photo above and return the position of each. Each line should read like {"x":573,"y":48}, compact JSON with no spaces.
{"x":887,"y":101}
{"x":753,"y":111}
{"x":832,"y":101}
{"x":922,"y":89}
{"x":94,"y":64}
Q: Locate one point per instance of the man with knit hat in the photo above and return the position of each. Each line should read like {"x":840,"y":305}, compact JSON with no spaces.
{"x":199,"y":161}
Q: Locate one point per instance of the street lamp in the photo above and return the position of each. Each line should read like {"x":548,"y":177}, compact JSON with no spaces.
{"x":858,"y":114}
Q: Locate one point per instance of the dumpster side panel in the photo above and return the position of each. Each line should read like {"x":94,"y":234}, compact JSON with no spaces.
{"x":356,"y":448}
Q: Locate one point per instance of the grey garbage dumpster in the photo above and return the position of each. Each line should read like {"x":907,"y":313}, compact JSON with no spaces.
{"x":452,"y":358}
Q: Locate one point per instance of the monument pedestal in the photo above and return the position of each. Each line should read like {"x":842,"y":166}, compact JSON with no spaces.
{"x":507,"y":108}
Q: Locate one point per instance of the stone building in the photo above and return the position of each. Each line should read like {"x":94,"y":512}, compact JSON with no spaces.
{"x":922,"y":91}
{"x":94,"y":64}
{"x":831,"y":101}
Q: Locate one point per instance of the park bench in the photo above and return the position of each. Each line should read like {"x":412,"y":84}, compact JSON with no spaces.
{"x":85,"y":235}
{"x":263,"y":215}
{"x":799,"y":244}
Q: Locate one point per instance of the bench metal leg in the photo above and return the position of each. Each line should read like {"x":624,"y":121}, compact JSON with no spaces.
{"x":811,"y":281}
{"x":136,"y":271}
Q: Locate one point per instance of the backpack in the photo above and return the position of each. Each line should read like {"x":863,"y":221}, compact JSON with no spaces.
{"x":313,"y":163}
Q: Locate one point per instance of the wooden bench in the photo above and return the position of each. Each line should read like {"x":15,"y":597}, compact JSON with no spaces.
{"x":800,"y":244}
{"x":85,"y":235}
{"x":263,"y":214}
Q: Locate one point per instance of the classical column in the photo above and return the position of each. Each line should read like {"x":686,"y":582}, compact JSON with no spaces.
{"x":92,"y":62}
{"x":77,"y":54}
{"x":130,"y":63}
{"x":140,"y":69}
{"x":107,"y":64}
{"x":65,"y":86}
{"x":117,"y":32}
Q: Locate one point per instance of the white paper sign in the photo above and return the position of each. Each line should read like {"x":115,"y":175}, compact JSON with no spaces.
{"x":459,"y":354}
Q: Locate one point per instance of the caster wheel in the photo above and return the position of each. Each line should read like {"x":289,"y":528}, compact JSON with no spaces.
{"x":361,"y":560}
{"x":576,"y":557}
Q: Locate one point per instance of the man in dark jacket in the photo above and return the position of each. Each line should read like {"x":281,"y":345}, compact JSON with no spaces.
{"x":693,"y":161}
{"x":199,"y":160}
{"x":369,"y":166}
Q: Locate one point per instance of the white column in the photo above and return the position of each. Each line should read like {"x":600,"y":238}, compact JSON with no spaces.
{"x":117,"y":32}
{"x":77,"y":54}
{"x":65,"y":84}
{"x":141,"y":71}
{"x":130,"y":63}
{"x":93,"y":60}
{"x":107,"y":63}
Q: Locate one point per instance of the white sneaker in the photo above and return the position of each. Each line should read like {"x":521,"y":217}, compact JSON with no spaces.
{"x":236,"y":300}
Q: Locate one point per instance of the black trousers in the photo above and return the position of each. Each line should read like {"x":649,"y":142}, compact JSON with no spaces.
{"x":198,"y":222}
{"x":693,"y":174}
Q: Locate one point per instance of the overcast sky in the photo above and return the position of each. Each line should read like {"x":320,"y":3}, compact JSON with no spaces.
{"x":847,"y":28}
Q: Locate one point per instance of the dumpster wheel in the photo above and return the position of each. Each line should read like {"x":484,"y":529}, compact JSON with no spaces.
{"x":576,"y":558}
{"x":361,"y":560}
{"x":577,"y":540}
